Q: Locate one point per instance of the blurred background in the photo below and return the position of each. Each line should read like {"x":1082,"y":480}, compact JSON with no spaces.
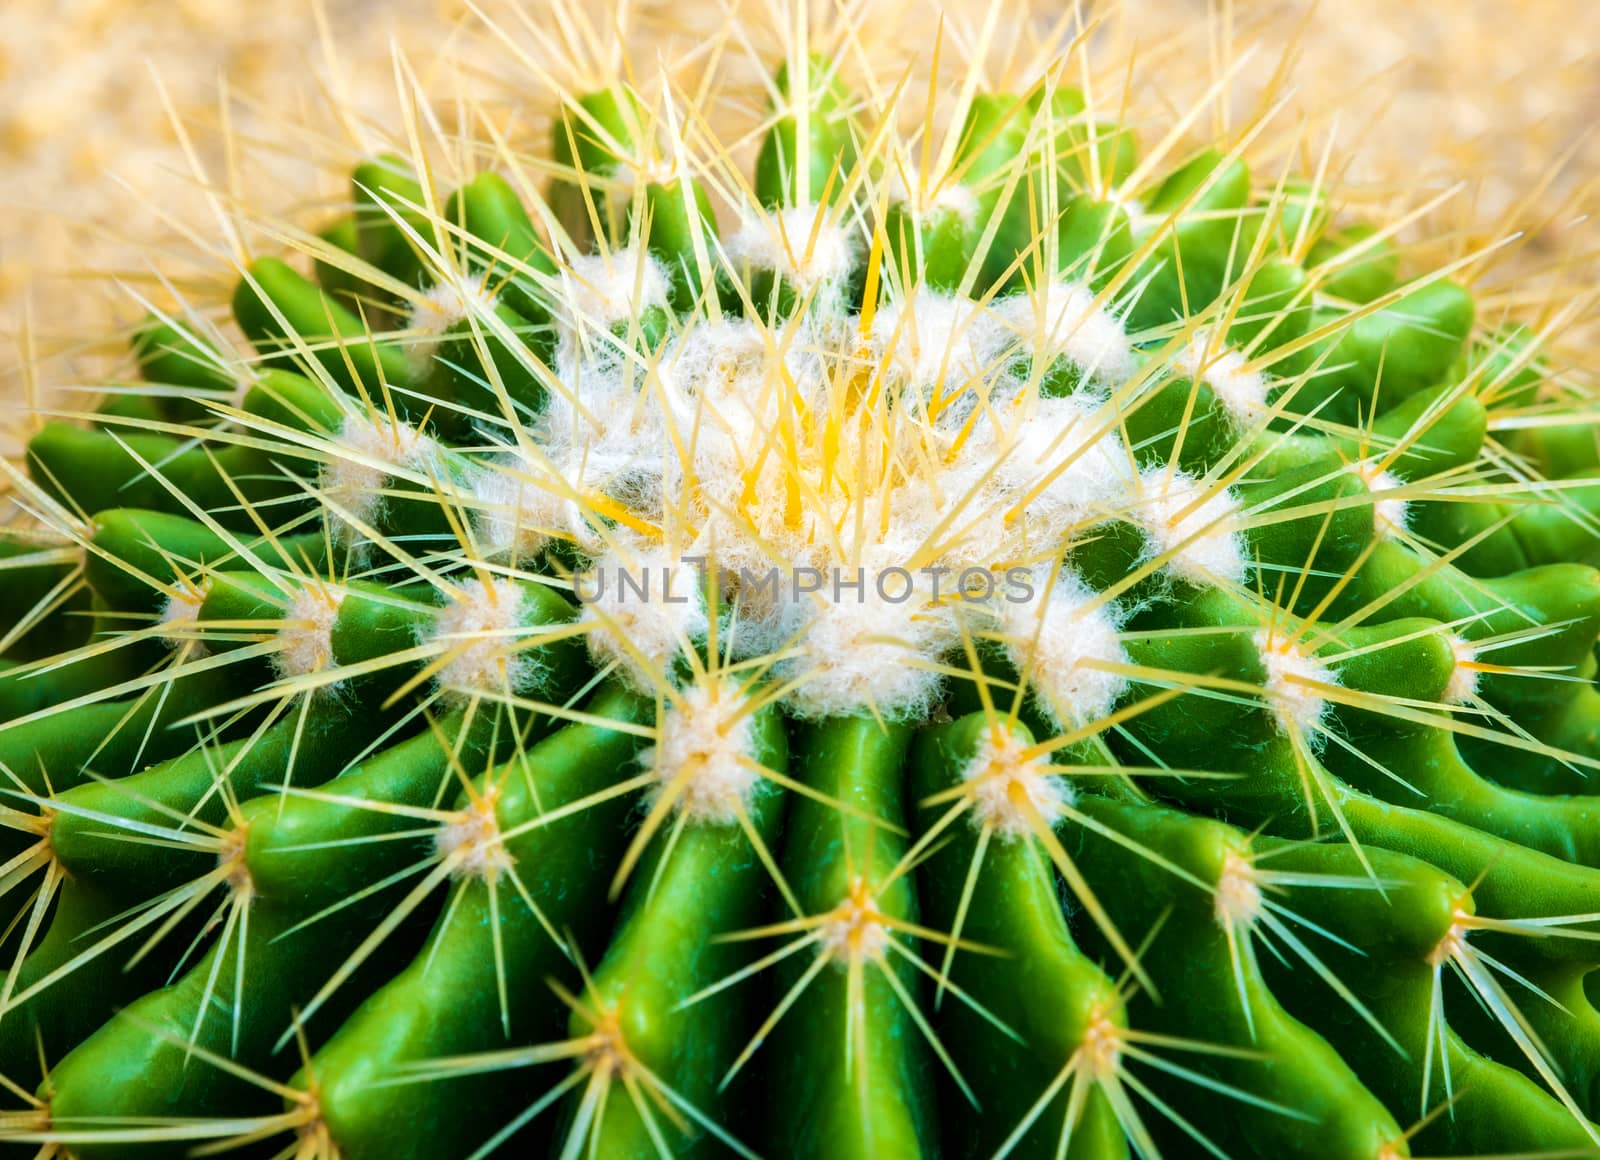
{"x":97,"y":186}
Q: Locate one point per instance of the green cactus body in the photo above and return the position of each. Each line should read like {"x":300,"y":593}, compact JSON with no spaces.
{"x":1012,"y":637}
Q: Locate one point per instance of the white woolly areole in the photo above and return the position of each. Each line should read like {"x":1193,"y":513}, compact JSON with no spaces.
{"x":630,"y":173}
{"x":179,"y":614}
{"x":783,"y":242}
{"x":872,"y":651}
{"x":478,"y":631}
{"x":1389,"y":514}
{"x":627,"y":464}
{"x":1241,"y":391}
{"x":613,"y":431}
{"x":1007,"y":786}
{"x":733,"y":385}
{"x":367,"y":452}
{"x":1057,"y":457}
{"x":515,"y":516}
{"x":1122,"y":197}
{"x":1296,"y":706}
{"x":305,"y":642}
{"x":1180,"y":518}
{"x":944,"y":197}
{"x":1237,"y":902}
{"x":1462,"y":686}
{"x":1060,"y":642}
{"x":471,"y":841}
{"x":445,"y":303}
{"x":640,"y":610}
{"x":703,"y":754}
{"x":855,"y":929}
{"x":602,"y":290}
{"x":959,"y":516}
{"x":1065,"y":319}
{"x":747,"y":536}
{"x":931,"y":339}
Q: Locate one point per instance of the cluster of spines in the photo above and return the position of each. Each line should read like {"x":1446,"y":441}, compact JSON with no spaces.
{"x":326,"y":756}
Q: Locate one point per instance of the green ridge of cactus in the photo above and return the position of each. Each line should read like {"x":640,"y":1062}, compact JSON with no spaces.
{"x":958,"y":638}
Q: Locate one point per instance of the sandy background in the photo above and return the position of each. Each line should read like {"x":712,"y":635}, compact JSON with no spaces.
{"x":95,"y":189}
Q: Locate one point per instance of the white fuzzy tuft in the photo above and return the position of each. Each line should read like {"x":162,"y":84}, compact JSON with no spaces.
{"x":1122,"y":197}
{"x":869,"y":651}
{"x":702,"y":754}
{"x":471,"y":840}
{"x":640,"y":610}
{"x":855,"y":929}
{"x":615,"y":432}
{"x":1065,"y":320}
{"x":1389,"y":514}
{"x":1061,"y":641}
{"x":1008,"y":787}
{"x":800,"y":243}
{"x":367,"y":453}
{"x":717,"y":359}
{"x":1237,"y":902}
{"x":945,"y":197}
{"x":1241,"y":391}
{"x":1463,"y":684}
{"x":600,"y":291}
{"x":940,"y":341}
{"x":1196,"y":528}
{"x":1056,"y":457}
{"x":631,"y":173}
{"x":1291,"y":673}
{"x":179,"y":614}
{"x":516,"y":515}
{"x":478,"y":630}
{"x":448,"y":301}
{"x":305,"y":642}
{"x":732,"y":382}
